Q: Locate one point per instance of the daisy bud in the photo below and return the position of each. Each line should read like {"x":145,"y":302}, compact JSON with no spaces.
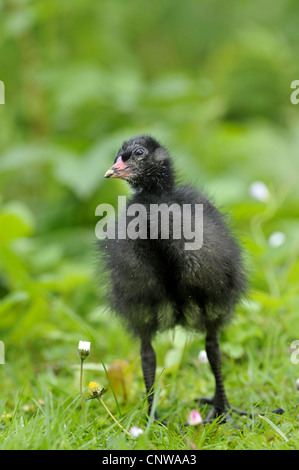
{"x":276,"y":239}
{"x":202,"y":357}
{"x":259,"y":191}
{"x":194,"y":418}
{"x":84,"y":349}
{"x":135,"y":431}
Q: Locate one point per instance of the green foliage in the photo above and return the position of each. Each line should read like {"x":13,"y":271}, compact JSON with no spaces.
{"x":211,"y":80}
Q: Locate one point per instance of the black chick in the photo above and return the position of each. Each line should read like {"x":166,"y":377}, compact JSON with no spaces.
{"x":155,"y":282}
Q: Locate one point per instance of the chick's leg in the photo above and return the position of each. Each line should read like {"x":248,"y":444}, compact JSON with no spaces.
{"x":148,"y":362}
{"x":219,"y":401}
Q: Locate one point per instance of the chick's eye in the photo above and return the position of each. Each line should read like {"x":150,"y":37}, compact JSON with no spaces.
{"x":139,"y":151}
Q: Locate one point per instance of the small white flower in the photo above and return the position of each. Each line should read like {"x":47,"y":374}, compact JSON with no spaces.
{"x":297,"y":384}
{"x":259,"y":191}
{"x":84,"y":345}
{"x":194,"y":418}
{"x":135,"y":431}
{"x":84,"y":349}
{"x":276,"y":239}
{"x":202,"y":357}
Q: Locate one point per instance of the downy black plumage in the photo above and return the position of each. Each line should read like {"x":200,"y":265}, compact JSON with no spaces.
{"x":156,"y":284}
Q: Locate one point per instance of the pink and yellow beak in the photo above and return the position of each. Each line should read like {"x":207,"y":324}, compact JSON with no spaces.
{"x":118,"y":170}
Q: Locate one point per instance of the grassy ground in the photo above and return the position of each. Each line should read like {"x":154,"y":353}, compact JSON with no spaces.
{"x":44,"y":412}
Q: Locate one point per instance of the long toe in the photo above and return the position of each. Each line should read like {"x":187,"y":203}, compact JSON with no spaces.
{"x":222,"y":413}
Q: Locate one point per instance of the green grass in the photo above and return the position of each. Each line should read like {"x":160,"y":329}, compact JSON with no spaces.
{"x":45,"y":411}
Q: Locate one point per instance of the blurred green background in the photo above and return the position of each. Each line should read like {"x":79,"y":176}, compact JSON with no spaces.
{"x":211,"y":80}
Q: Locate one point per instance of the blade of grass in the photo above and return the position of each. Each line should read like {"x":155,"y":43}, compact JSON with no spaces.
{"x":17,"y":406}
{"x":273,"y":426}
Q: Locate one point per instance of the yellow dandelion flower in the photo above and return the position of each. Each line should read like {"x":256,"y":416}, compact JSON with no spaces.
{"x":96,"y":392}
{"x":94,"y":388}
